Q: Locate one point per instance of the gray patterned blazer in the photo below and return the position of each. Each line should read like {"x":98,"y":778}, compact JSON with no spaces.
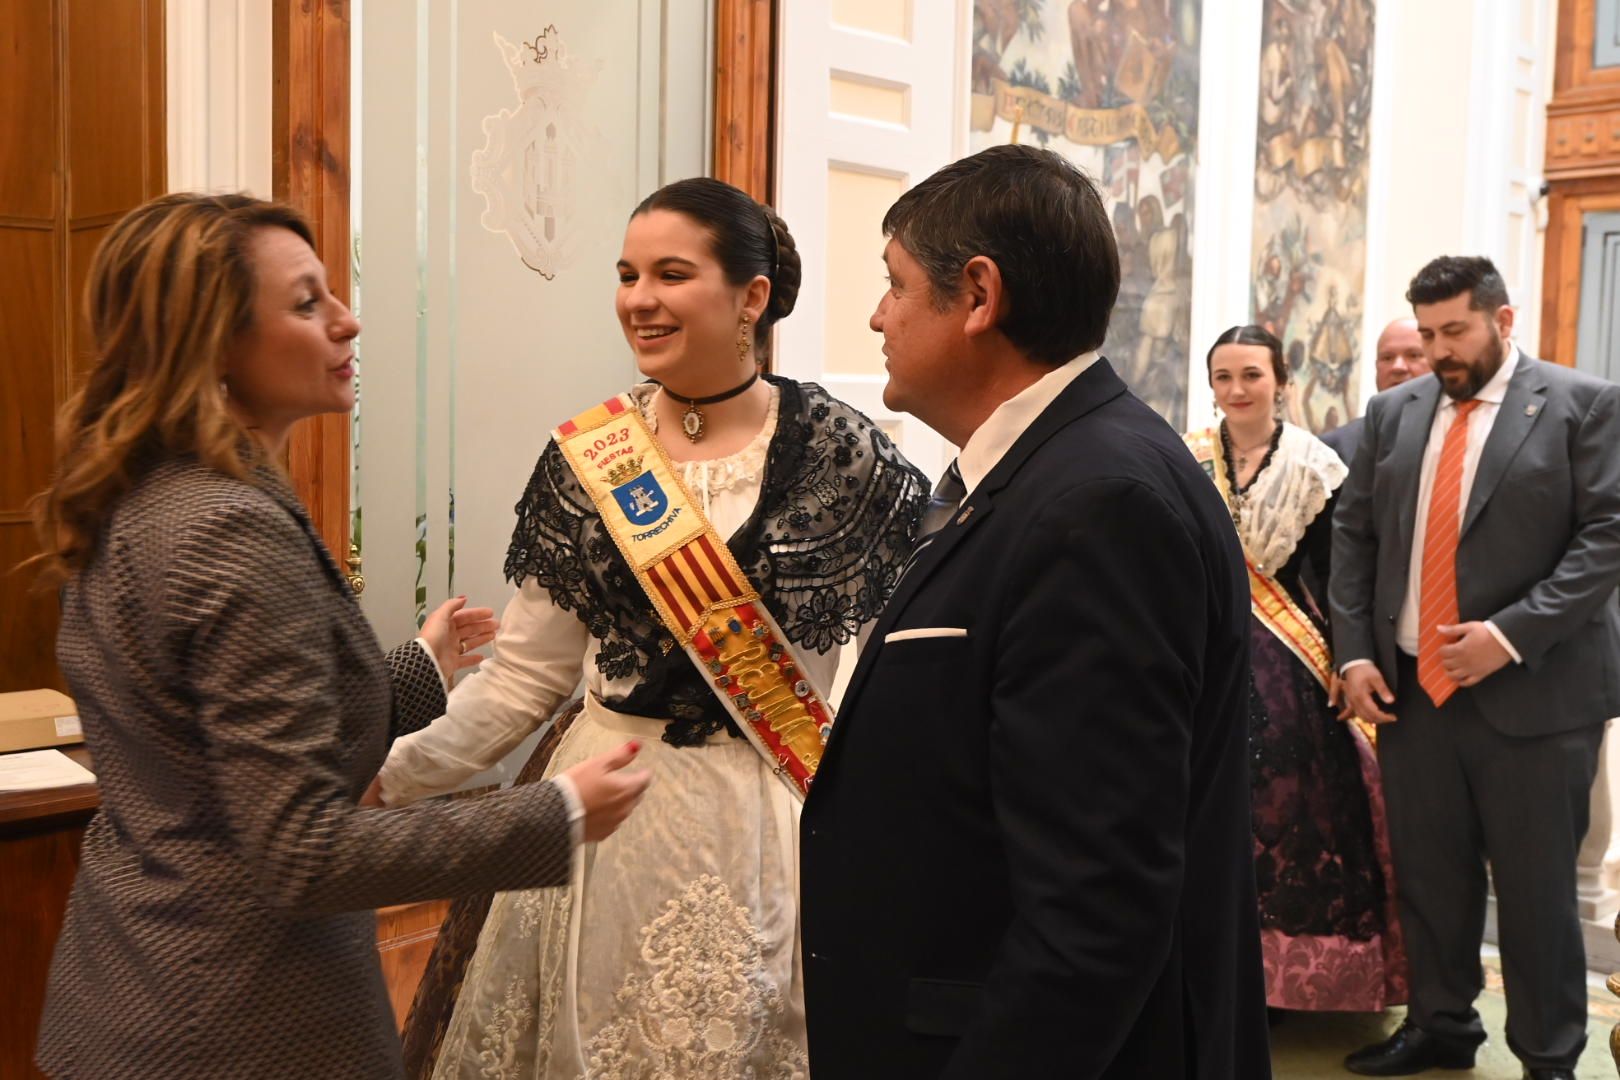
{"x":236,"y":704}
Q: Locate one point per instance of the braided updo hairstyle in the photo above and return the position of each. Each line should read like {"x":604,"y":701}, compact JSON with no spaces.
{"x":749,"y":240}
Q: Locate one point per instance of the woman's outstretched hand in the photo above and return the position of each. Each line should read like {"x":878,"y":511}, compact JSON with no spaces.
{"x":454,"y":630}
{"x":608,"y":790}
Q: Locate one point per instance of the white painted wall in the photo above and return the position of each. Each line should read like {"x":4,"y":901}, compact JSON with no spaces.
{"x":218,"y":95}
{"x":1456,"y":159}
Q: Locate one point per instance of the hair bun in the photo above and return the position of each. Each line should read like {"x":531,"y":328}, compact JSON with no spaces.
{"x":785,"y":281}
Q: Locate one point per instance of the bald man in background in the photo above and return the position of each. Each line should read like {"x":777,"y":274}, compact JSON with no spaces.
{"x":1400,"y":357}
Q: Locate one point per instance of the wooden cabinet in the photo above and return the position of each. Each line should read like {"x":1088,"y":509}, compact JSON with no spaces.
{"x":405,"y":937}
{"x":39,"y":854}
{"x":81,"y":143}
{"x":40,"y":833}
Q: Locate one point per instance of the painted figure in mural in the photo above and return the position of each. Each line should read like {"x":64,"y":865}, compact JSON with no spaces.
{"x":232,"y":691}
{"x":1286,"y":273}
{"x":674,"y":946}
{"x":1122,"y":76}
{"x":1135,"y":279}
{"x":1324,"y":401}
{"x":1328,"y":933}
{"x":1476,"y":555}
{"x":1310,"y":192}
{"x":1276,"y":81}
{"x":1399,"y":356}
{"x":1093,"y":52}
{"x":1027,"y":851}
{"x":1162,"y":345}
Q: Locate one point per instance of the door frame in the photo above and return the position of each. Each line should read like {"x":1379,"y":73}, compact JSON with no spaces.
{"x":310,"y":159}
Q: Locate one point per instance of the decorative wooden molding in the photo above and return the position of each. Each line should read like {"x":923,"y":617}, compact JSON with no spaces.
{"x":744,"y":91}
{"x":1561,"y":280}
{"x":1582,"y":169}
{"x":1583,"y":139}
{"x":310,"y":169}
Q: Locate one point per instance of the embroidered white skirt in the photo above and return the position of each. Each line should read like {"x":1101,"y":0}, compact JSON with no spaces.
{"x":672,"y":952}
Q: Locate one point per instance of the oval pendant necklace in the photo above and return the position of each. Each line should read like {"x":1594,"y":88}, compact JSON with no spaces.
{"x":692,"y":423}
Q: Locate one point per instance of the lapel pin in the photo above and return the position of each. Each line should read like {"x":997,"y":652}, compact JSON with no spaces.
{"x":964,"y":515}
{"x":1529,"y":410}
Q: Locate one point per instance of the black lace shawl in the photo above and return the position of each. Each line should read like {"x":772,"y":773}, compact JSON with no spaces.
{"x":835,"y":522}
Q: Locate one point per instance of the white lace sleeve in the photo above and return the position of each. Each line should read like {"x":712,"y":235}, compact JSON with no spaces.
{"x":539,"y":653}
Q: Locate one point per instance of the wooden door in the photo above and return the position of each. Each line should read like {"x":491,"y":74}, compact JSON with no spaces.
{"x":1583,"y":181}
{"x":81,"y":109}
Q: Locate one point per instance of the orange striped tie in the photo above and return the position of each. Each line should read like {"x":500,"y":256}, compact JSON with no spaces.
{"x":1437,"y":595}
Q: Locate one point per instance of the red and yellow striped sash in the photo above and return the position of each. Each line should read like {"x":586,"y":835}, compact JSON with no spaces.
{"x":701,"y":595}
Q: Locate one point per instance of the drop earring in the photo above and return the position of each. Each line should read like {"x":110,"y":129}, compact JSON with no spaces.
{"x":743,"y":344}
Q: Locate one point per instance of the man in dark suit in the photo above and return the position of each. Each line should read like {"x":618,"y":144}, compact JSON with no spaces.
{"x":1399,"y":357}
{"x":1027,"y":850}
{"x":1476,"y":551}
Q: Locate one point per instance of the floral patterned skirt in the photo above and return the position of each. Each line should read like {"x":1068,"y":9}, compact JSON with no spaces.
{"x":672,"y":952}
{"x":1329,"y":935}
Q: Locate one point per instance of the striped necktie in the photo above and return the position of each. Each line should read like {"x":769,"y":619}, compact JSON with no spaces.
{"x":1437,"y":589}
{"x":942,"y":504}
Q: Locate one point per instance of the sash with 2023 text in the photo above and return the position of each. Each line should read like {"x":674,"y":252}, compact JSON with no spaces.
{"x":700,"y":593}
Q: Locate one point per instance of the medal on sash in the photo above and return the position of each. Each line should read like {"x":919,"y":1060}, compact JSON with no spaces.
{"x":701,"y":595}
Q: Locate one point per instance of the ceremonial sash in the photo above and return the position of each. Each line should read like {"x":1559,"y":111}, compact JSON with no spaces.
{"x":701,"y":595}
{"x":1272,"y":605}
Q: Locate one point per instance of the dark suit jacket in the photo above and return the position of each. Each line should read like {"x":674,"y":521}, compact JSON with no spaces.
{"x":1539,"y":553}
{"x":1345,"y":438}
{"x":1027,"y":850}
{"x":236,"y":704}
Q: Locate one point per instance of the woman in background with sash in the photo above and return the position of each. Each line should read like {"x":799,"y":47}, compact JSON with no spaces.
{"x":766,"y":512}
{"x":1327,"y":913}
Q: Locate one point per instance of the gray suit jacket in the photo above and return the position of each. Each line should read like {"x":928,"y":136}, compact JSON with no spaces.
{"x":1539,"y":553}
{"x":1345,"y":439}
{"x":236,"y":704}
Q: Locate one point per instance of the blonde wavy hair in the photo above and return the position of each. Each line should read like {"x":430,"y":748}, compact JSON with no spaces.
{"x":169,"y":293}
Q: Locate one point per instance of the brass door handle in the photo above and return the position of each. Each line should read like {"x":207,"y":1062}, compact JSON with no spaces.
{"x":357,"y":581}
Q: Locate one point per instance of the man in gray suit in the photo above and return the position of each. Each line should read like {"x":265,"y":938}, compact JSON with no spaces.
{"x":1476,"y":552}
{"x":1399,"y":357}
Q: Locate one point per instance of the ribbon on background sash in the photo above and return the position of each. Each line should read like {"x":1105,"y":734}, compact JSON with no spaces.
{"x":701,"y":595}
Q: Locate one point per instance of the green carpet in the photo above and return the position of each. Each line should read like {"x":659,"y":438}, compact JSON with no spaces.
{"x":1310,"y":1045}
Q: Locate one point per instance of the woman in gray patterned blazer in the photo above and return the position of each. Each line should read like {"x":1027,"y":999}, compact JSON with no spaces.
{"x":233,"y":695}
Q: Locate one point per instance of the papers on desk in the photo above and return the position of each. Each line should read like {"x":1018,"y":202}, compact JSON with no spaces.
{"x":35,"y":770}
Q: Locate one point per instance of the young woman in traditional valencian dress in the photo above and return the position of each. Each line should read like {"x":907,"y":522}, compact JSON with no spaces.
{"x":1327,"y":914}
{"x":674,"y":949}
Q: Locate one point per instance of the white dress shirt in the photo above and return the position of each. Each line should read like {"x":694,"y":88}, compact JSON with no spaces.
{"x":990,"y":443}
{"x":1480,"y":423}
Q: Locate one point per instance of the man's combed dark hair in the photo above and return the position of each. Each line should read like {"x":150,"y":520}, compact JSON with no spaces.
{"x":1041,"y":221}
{"x":1453,"y":275}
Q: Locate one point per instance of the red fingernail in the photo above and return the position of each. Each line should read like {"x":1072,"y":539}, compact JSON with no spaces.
{"x":635,"y":746}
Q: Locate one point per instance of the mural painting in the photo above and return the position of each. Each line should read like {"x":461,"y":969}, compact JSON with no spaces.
{"x":1113,"y":86}
{"x":1310,"y":186}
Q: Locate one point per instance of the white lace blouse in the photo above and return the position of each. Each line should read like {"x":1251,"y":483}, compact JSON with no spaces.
{"x":542,"y":650}
{"x":1287,"y":496}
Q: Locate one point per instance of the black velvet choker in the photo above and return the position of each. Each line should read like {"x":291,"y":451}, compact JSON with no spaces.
{"x":692,"y":420}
